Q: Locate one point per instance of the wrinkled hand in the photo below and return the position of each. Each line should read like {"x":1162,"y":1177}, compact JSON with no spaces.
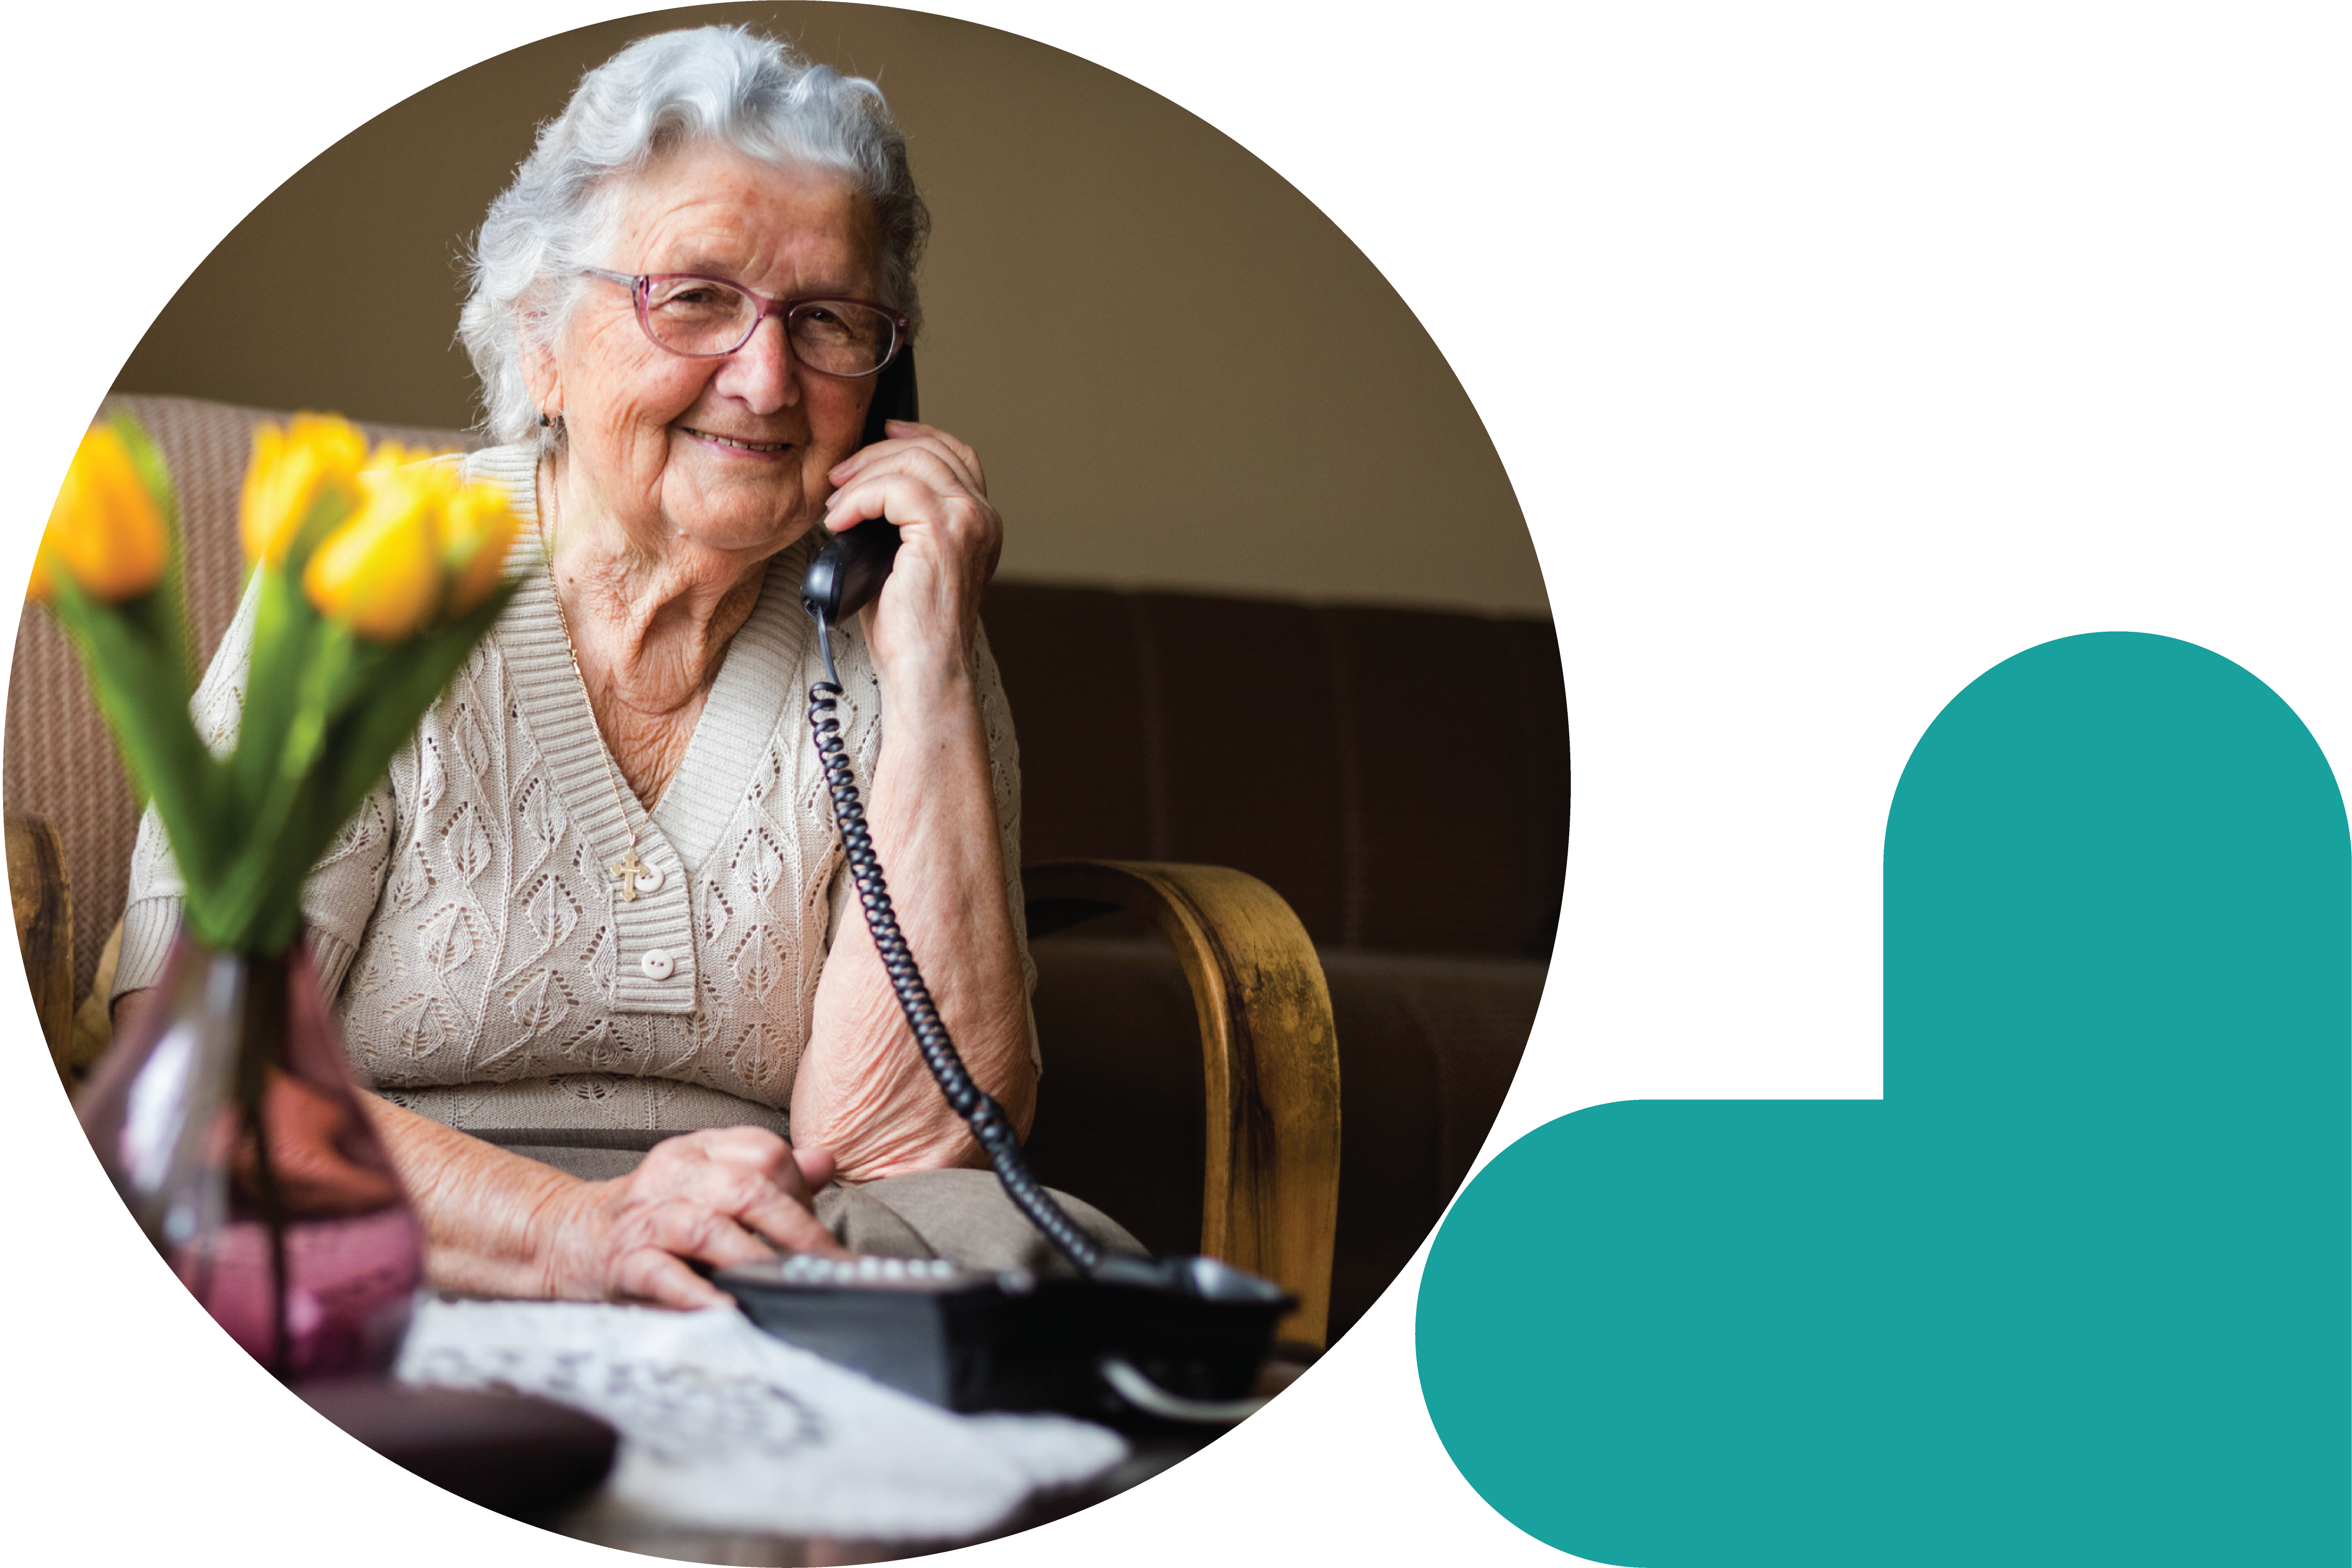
{"x":710,"y":1195}
{"x":931,"y":486}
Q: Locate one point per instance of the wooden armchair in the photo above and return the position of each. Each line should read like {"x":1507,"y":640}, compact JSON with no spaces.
{"x":43,"y":901}
{"x":1270,"y":1054}
{"x":1270,"y":1058}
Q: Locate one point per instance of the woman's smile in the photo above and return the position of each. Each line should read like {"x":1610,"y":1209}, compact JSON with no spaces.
{"x":742,"y":444}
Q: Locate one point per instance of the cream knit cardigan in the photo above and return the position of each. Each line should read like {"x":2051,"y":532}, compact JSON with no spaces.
{"x":485,"y":971}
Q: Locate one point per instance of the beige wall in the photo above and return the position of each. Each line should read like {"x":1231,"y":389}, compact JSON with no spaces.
{"x":1178,"y":372}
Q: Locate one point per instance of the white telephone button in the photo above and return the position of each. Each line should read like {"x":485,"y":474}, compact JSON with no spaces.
{"x":656,"y":963}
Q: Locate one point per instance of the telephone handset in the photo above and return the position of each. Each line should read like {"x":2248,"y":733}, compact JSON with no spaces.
{"x":848,"y":572}
{"x":1171,"y":1338}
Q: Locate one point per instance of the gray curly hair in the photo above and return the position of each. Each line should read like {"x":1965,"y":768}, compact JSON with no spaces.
{"x":727,"y":85}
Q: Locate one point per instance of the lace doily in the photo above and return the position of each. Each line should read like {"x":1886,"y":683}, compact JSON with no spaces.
{"x":724,"y":1427}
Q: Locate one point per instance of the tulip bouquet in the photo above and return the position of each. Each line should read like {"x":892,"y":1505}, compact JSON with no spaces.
{"x":379,"y":571}
{"x":226,"y":1115}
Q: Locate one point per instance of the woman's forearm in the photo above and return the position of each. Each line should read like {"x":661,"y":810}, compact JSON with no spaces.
{"x":498,"y":1225}
{"x":491,"y":1218}
{"x":862,"y":1091}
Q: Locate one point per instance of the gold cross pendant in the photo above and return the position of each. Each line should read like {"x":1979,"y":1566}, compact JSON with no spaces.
{"x":627,"y":870}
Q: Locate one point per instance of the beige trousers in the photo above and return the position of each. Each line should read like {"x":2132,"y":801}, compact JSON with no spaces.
{"x":959,"y":1213}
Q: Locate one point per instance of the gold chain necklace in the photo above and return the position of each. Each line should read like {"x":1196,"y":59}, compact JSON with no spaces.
{"x":630,"y":872}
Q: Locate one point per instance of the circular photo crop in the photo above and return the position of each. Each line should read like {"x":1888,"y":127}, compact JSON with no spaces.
{"x":855,"y":773}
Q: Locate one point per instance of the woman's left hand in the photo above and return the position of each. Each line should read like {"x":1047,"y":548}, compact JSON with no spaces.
{"x":930,"y":485}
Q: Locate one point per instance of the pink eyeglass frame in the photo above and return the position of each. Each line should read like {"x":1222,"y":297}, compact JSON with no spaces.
{"x":641,"y":285}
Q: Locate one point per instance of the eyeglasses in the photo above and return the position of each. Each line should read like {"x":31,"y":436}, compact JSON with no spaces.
{"x":711,"y":318}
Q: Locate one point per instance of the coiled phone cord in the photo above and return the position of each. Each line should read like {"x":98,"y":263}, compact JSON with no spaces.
{"x":980,"y":1112}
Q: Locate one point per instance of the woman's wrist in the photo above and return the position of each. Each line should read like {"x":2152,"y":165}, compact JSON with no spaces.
{"x":556,"y":1244}
{"x":495,"y":1223}
{"x":511,"y":1238}
{"x":922,"y":694}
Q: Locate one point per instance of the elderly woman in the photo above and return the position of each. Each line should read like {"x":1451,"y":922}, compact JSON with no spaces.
{"x":599,"y":906}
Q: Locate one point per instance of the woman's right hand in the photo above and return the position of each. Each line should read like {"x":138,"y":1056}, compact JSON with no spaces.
{"x":711,"y":1196}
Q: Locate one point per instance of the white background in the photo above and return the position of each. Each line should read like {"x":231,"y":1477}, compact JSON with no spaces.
{"x":1854,"y":349}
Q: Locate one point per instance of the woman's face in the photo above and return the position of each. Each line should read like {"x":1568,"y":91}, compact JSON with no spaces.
{"x":728,"y":454}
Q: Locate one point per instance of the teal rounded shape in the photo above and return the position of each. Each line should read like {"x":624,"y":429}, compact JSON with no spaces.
{"x":2078,"y":1290}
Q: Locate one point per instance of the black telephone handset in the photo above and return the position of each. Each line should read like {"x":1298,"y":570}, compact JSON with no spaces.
{"x":848,"y":572}
{"x":1173,"y":1338}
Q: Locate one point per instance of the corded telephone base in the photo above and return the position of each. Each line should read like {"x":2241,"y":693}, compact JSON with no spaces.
{"x":1176,"y":1338}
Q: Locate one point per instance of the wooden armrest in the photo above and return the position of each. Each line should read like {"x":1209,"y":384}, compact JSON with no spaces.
{"x":43,"y":900}
{"x":1270,"y":1200}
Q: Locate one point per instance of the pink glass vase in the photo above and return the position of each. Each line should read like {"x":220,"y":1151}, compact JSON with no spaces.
{"x":229,"y":1123}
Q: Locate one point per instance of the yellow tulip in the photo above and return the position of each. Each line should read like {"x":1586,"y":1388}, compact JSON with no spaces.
{"x":476,"y":528}
{"x":315,"y":456}
{"x":381,"y":572}
{"x":106,"y":532}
